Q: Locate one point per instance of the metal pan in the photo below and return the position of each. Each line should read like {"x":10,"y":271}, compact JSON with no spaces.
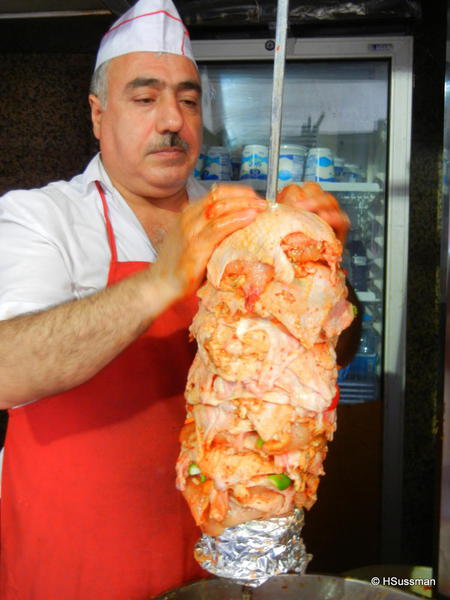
{"x":288,"y":587}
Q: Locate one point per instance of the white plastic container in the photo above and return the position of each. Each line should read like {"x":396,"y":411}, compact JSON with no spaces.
{"x":254,"y":162}
{"x":291,"y":164}
{"x":217,"y":164}
{"x":319,"y":165}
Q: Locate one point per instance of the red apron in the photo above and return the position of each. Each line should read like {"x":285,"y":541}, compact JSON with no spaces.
{"x":89,"y":507}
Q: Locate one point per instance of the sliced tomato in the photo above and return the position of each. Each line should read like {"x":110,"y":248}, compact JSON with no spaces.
{"x":335,"y":400}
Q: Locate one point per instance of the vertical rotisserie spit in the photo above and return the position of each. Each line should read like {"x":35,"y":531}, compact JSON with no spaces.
{"x":261,"y":393}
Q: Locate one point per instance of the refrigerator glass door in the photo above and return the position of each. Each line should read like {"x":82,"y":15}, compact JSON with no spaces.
{"x":334,"y":131}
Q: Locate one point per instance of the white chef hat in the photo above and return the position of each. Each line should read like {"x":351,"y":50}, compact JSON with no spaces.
{"x":148,"y":26}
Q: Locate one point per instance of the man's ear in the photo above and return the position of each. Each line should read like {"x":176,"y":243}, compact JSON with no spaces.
{"x":96,"y":114}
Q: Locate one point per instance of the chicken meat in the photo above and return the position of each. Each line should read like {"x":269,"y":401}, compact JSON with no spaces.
{"x":261,"y":393}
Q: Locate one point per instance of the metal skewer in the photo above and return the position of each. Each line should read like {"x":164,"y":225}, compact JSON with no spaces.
{"x":247,"y":593}
{"x":277,"y":98}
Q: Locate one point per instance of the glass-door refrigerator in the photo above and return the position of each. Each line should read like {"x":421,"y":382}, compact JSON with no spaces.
{"x":346,"y":125}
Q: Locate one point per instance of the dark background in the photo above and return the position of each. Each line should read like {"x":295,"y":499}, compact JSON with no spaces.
{"x":45,"y":135}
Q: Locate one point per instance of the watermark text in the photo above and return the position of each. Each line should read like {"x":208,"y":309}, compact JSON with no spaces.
{"x":404,"y":581}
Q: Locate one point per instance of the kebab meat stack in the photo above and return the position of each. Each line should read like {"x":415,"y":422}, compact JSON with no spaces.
{"x":261,"y":392}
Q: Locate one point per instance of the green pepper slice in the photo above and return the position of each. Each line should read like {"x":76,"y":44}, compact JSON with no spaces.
{"x":281,"y":480}
{"x":194,"y":469}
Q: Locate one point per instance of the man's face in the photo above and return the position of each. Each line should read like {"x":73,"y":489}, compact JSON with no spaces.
{"x":150,"y":129}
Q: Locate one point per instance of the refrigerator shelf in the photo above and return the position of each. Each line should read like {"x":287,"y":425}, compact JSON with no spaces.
{"x":346,"y":186}
{"x":328,"y":186}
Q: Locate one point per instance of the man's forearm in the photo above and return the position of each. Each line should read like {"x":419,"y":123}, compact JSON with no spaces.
{"x":49,"y":352}
{"x":53,"y":351}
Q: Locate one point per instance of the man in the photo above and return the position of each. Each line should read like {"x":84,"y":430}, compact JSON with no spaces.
{"x":98,"y":277}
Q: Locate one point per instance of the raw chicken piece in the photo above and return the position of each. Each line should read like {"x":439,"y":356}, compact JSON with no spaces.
{"x":261,"y":391}
{"x":261,"y":242}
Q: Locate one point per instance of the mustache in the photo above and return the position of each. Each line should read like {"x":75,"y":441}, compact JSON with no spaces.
{"x":170,"y":140}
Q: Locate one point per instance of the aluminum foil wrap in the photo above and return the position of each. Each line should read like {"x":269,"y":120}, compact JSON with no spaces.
{"x":253,"y":552}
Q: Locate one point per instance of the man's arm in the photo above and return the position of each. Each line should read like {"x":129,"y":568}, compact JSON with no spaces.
{"x":49,"y":352}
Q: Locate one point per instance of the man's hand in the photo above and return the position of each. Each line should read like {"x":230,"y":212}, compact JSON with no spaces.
{"x":201,"y":227}
{"x":310,"y":196}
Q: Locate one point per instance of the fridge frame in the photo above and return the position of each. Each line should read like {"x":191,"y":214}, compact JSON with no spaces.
{"x":398,"y":50}
{"x":443,"y":525}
